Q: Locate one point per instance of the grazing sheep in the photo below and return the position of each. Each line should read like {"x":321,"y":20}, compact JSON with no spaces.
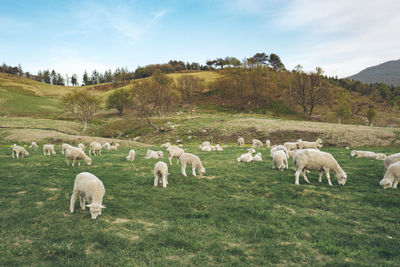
{"x":218,"y":148}
{"x":392,"y":176}
{"x":75,"y":153}
{"x":305,"y":144}
{"x":280,"y":147}
{"x":167,"y":144}
{"x":81,"y":146}
{"x":131,"y":155}
{"x":95,"y":147}
{"x":240,"y":141}
{"x":256,"y":143}
{"x":19,"y":151}
{"x":161,"y":171}
{"x":248,"y":157}
{"x":64,"y":147}
{"x":257,"y":157}
{"x":88,"y":187}
{"x":174,"y":152}
{"x":106,"y":146}
{"x":268,"y":144}
{"x":391,"y":159}
{"x":154,"y":154}
{"x":188,"y":158}
{"x":48,"y":149}
{"x":34,"y":146}
{"x":279,"y":160}
{"x":292,"y":145}
{"x":313,"y":159}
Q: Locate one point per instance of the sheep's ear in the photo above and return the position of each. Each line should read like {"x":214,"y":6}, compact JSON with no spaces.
{"x":89,"y":206}
{"x":102,"y":206}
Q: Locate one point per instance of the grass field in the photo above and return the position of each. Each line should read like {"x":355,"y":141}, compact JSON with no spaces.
{"x":237,"y":214}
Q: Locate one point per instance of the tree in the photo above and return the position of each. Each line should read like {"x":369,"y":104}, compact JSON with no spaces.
{"x":82,"y":104}
{"x":53,"y":77}
{"x":85,"y":78}
{"x":275,"y":62}
{"x":260,"y":58}
{"x":343,"y":110}
{"x":119,"y":99}
{"x":371,"y":114}
{"x":223,"y":86}
{"x":20,"y":71}
{"x":189,"y":87}
{"x":46,"y":76}
{"x":258,"y":84}
{"x":74,"y":80}
{"x":164,"y":86}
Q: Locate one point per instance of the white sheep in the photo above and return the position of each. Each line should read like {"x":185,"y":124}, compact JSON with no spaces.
{"x":74,"y":154}
{"x":256,"y":143}
{"x":150,"y":154}
{"x":292,"y":145}
{"x":205,"y":143}
{"x":362,"y":154}
{"x":257,"y":157}
{"x":313,"y":159}
{"x":280,"y":147}
{"x":392,"y":176}
{"x":380,"y":156}
{"x":64,"y":147}
{"x":167,"y":144}
{"x":205,"y":148}
{"x":114,"y":147}
{"x":48,"y":149}
{"x":268,"y":144}
{"x":91,"y":188}
{"x":106,"y":146}
{"x":279,"y":160}
{"x":218,"y":148}
{"x":161,"y":171}
{"x":391,"y":159}
{"x":174,"y":152}
{"x":248,"y":157}
{"x":34,"y":146}
{"x":240,"y":141}
{"x":191,"y":159}
{"x":95,"y":147}
{"x":19,"y":151}
{"x":305,"y":144}
{"x":131,"y":155}
{"x":81,"y":146}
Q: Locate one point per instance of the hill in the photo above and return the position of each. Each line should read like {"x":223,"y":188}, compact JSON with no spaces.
{"x":388,"y":73}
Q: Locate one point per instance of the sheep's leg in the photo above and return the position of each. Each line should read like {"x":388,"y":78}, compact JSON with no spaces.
{"x":90,"y":152}
{"x":13,"y":155}
{"x":170,"y":162}
{"x":17,"y":155}
{"x":73,"y":162}
{"x":67,"y":161}
{"x":328,"y":177}
{"x":194,"y":171}
{"x":100,"y":151}
{"x":156,"y":179}
{"x":395,"y":184}
{"x":320,"y":176}
{"x":82,"y":200}
{"x":74,"y":196}
{"x":184,"y":169}
{"x":164,"y":181}
{"x":287,"y":164}
{"x":296,"y":177}
{"x":79,"y":162}
{"x":303,"y":173}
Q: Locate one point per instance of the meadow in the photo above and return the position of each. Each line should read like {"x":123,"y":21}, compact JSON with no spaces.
{"x":236,"y":215}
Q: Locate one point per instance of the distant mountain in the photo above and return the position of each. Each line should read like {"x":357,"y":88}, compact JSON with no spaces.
{"x":388,"y":73}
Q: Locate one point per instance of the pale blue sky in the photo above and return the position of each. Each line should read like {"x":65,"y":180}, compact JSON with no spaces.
{"x":341,"y":36}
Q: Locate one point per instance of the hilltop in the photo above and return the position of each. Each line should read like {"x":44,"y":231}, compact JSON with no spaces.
{"x":387,"y":72}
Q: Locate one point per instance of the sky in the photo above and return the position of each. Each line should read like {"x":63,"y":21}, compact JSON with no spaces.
{"x":343,"y":37}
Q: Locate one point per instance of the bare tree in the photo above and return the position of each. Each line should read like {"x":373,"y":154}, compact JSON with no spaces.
{"x":223,"y":86}
{"x":189,"y":87}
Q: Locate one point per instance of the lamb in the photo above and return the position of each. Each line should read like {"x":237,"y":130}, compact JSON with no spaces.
{"x":391,"y":159}
{"x":64,"y":147}
{"x":106,"y":146}
{"x":47,"y":149}
{"x":91,"y":188}
{"x":75,"y":153}
{"x":191,"y":159}
{"x":257,"y":157}
{"x":313,"y":159}
{"x":161,"y":171}
{"x":218,"y":148}
{"x":256,"y":143}
{"x":81,"y":146}
{"x":279,"y":160}
{"x":305,"y":144}
{"x":114,"y":147}
{"x":362,"y":154}
{"x":291,"y":153}
{"x":154,"y":154}
{"x":95,"y":147}
{"x":167,"y":144}
{"x":392,"y":176}
{"x":280,"y":147}
{"x":205,"y":143}
{"x":131,"y":155}
{"x":205,"y":148}
{"x":380,"y":156}
{"x":19,"y":150}
{"x":268,"y":144}
{"x":240,"y":141}
{"x":34,"y":146}
{"x":174,"y":152}
{"x":248,"y":157}
{"x":292,"y":145}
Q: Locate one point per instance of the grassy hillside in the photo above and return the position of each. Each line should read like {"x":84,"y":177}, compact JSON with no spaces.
{"x":237,"y":214}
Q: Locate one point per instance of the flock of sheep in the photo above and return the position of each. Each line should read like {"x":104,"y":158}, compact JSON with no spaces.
{"x":306,"y":157}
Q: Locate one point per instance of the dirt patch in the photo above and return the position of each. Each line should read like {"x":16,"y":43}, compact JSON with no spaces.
{"x":51,"y":189}
{"x":21,"y":192}
{"x":39,"y":204}
{"x":121,"y":220}
{"x":208,"y":177}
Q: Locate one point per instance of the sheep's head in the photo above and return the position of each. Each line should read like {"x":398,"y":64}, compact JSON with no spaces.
{"x":95,"y":210}
{"x":299,"y":141}
{"x":353,"y":153}
{"x":160,"y":154}
{"x":386,"y":183}
{"x":202,"y":171}
{"x":252,"y":150}
{"x":342,"y":177}
{"x":88,"y":161}
{"x":26,"y":153}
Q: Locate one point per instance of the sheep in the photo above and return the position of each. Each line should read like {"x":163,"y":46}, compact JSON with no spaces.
{"x":347,"y":148}
{"x":19,"y":150}
{"x":167,"y":144}
{"x":91,"y":188}
{"x":213,"y":148}
{"x":391,"y":159}
{"x":205,"y":143}
{"x":279,"y":160}
{"x":174,"y":152}
{"x":248,"y":157}
{"x":131,"y":155}
{"x":81,"y":146}
{"x":305,"y":144}
{"x":161,"y":171}
{"x":64,"y":147}
{"x":313,"y":159}
{"x":75,"y":153}
{"x":362,"y":154}
{"x":34,"y":146}
{"x":154,"y":154}
{"x":205,"y":148}
{"x":256,"y":143}
{"x":240,"y":141}
{"x":114,"y":147}
{"x":218,"y":148}
{"x":95,"y":147}
{"x":392,"y":176}
{"x":280,"y":147}
{"x":191,"y":159}
{"x":47,"y":149}
{"x":106,"y":146}
{"x":268,"y":144}
{"x":291,"y":153}
{"x":292,"y":145}
{"x":380,"y":156}
{"x":257,"y":157}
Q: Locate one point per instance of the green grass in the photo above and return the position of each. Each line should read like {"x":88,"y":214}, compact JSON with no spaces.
{"x":238,"y":214}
